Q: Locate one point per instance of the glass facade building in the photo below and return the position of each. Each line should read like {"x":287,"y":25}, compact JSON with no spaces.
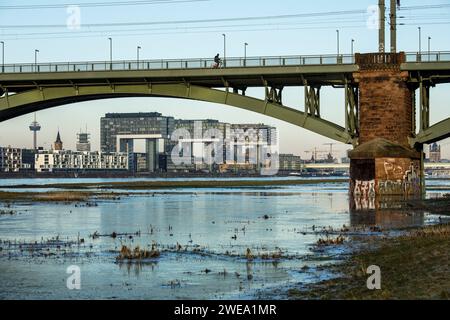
{"x":116,"y":124}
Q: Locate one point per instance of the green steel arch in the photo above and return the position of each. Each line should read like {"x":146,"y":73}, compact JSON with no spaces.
{"x":435,"y":133}
{"x":14,"y":105}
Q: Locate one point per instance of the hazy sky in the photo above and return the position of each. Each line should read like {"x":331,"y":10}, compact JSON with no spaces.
{"x":275,"y":36}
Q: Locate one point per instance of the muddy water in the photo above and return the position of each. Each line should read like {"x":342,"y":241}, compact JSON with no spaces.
{"x":203,"y":236}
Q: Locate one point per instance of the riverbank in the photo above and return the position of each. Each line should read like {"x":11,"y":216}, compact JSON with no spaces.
{"x":58,"y":196}
{"x":413,"y":266}
{"x":164,"y":184}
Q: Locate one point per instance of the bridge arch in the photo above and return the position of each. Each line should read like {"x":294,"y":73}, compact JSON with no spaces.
{"x":14,"y":105}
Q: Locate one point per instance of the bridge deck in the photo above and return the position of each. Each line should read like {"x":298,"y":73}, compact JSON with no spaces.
{"x":238,"y":72}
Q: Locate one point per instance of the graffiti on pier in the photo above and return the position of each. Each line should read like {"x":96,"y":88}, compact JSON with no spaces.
{"x":409,"y":183}
{"x":391,"y":169}
{"x":390,"y":187}
{"x":364,"y":194}
{"x":385,"y":177}
{"x":364,"y":188}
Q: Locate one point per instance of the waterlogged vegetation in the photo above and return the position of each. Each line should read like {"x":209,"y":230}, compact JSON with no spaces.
{"x":201,"y":241}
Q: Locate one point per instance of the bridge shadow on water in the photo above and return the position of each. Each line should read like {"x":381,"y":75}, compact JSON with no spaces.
{"x":387,"y":212}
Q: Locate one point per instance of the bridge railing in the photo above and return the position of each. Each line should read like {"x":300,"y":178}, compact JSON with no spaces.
{"x":177,"y":64}
{"x":438,"y":56}
{"x":205,"y":63}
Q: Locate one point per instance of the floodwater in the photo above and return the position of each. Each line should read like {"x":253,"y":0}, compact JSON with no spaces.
{"x":203,"y":236}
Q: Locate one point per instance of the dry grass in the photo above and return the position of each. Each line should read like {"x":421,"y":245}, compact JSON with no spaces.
{"x":58,"y":196}
{"x":137,"y":254}
{"x":331,"y":241}
{"x":61,"y":196}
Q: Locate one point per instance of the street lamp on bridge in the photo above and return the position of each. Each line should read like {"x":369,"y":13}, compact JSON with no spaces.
{"x":420,"y":41}
{"x":3,"y":56}
{"x":224,"y":49}
{"x":110,"y":52}
{"x":338,"y":42}
{"x":36,"y":51}
{"x":429,"y":48}
{"x":138,"y":49}
{"x":352,"y":50}
{"x":245,"y":54}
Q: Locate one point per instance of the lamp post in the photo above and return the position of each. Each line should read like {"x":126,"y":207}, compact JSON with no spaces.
{"x":429,"y":48}
{"x":138,"y":49}
{"x":224,"y":49}
{"x":110,"y":52}
{"x":338,"y":49}
{"x":420,"y":40}
{"x":245,"y":54}
{"x":3,"y":56}
{"x":36,"y":51}
{"x":353,"y":43}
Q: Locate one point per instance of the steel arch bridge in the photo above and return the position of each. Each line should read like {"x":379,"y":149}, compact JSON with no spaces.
{"x":27,"y":88}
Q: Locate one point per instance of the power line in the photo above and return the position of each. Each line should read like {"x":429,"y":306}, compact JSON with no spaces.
{"x":195,"y":30}
{"x":251,"y":18}
{"x":206,"y":23}
{"x":95,"y":4}
{"x":208,"y":30}
{"x":316,"y":22}
{"x":425,"y":7}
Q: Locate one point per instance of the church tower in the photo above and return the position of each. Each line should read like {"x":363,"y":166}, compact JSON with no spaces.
{"x":58,"y":146}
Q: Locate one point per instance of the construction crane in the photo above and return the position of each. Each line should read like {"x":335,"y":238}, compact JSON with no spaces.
{"x":314,"y":153}
{"x":331,"y":147}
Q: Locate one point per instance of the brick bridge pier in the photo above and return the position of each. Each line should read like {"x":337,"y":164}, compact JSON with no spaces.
{"x":383,"y":163}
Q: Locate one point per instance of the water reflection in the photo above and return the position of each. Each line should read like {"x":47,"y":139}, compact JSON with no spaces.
{"x":385,"y":212}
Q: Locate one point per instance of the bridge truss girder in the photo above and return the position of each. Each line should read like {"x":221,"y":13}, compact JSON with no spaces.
{"x":434,"y":133}
{"x":312,"y":100}
{"x":424,"y":106}
{"x":14,"y":105}
{"x":352,"y":110}
{"x":427,"y":133}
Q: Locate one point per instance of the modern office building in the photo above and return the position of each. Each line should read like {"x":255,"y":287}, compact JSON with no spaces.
{"x":250,"y":143}
{"x":119,"y":131}
{"x":201,"y":145}
{"x":114,"y":125}
{"x":186,"y":145}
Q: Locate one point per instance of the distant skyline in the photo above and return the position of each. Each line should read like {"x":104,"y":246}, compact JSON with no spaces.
{"x":294,"y":36}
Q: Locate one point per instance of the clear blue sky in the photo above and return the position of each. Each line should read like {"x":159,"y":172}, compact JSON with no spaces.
{"x":268,"y":37}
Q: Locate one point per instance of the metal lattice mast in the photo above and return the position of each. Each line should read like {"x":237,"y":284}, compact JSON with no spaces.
{"x":382,"y":26}
{"x":393,"y":16}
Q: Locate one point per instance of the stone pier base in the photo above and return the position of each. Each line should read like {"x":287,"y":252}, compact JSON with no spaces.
{"x":384,"y":168}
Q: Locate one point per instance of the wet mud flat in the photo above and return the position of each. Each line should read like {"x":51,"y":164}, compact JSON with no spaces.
{"x":213,"y":243}
{"x":192,"y":271}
